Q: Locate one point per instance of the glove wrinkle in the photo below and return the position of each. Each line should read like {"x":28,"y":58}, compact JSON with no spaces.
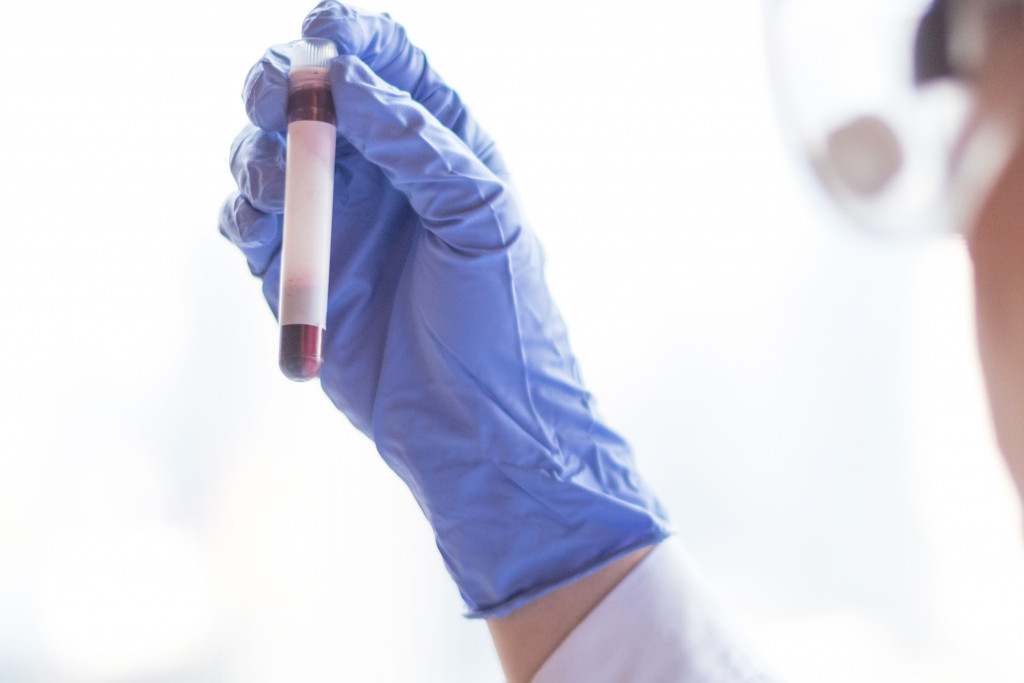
{"x":544,"y":439}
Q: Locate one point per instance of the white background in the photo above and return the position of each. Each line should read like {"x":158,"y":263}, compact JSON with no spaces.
{"x":805,"y":399}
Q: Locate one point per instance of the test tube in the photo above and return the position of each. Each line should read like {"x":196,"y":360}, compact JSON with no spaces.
{"x":308,"y":197}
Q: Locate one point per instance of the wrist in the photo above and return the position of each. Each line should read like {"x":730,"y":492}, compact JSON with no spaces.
{"x":527,"y":636}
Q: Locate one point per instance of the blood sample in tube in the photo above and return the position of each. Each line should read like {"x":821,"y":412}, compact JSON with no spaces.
{"x":308,"y":196}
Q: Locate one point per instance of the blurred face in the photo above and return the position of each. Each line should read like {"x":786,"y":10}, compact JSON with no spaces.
{"x":911,"y":114}
{"x":996,"y":237}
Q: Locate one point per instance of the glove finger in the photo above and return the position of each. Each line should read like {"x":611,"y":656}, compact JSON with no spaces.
{"x":265,"y":92}
{"x":461,"y":200}
{"x":258,"y":165}
{"x":383,"y":45}
{"x":256,"y":233}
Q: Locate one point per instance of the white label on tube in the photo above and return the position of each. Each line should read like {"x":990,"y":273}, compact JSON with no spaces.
{"x":308,"y":205}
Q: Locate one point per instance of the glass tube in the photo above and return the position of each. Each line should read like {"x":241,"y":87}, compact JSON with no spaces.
{"x":308,"y":197}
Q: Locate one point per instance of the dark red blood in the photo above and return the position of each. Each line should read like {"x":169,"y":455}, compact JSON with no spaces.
{"x":311,"y":103}
{"x":301,"y":355}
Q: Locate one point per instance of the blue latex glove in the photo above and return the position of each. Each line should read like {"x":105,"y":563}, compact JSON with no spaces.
{"x":442,"y":342}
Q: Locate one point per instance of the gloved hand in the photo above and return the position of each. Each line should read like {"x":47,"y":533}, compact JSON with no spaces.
{"x":442,"y":342}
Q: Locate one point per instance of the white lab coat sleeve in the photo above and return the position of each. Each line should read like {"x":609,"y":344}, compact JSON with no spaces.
{"x":659,"y":625}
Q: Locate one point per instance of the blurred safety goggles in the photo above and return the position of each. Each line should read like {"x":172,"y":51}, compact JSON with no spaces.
{"x":897,"y":105}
